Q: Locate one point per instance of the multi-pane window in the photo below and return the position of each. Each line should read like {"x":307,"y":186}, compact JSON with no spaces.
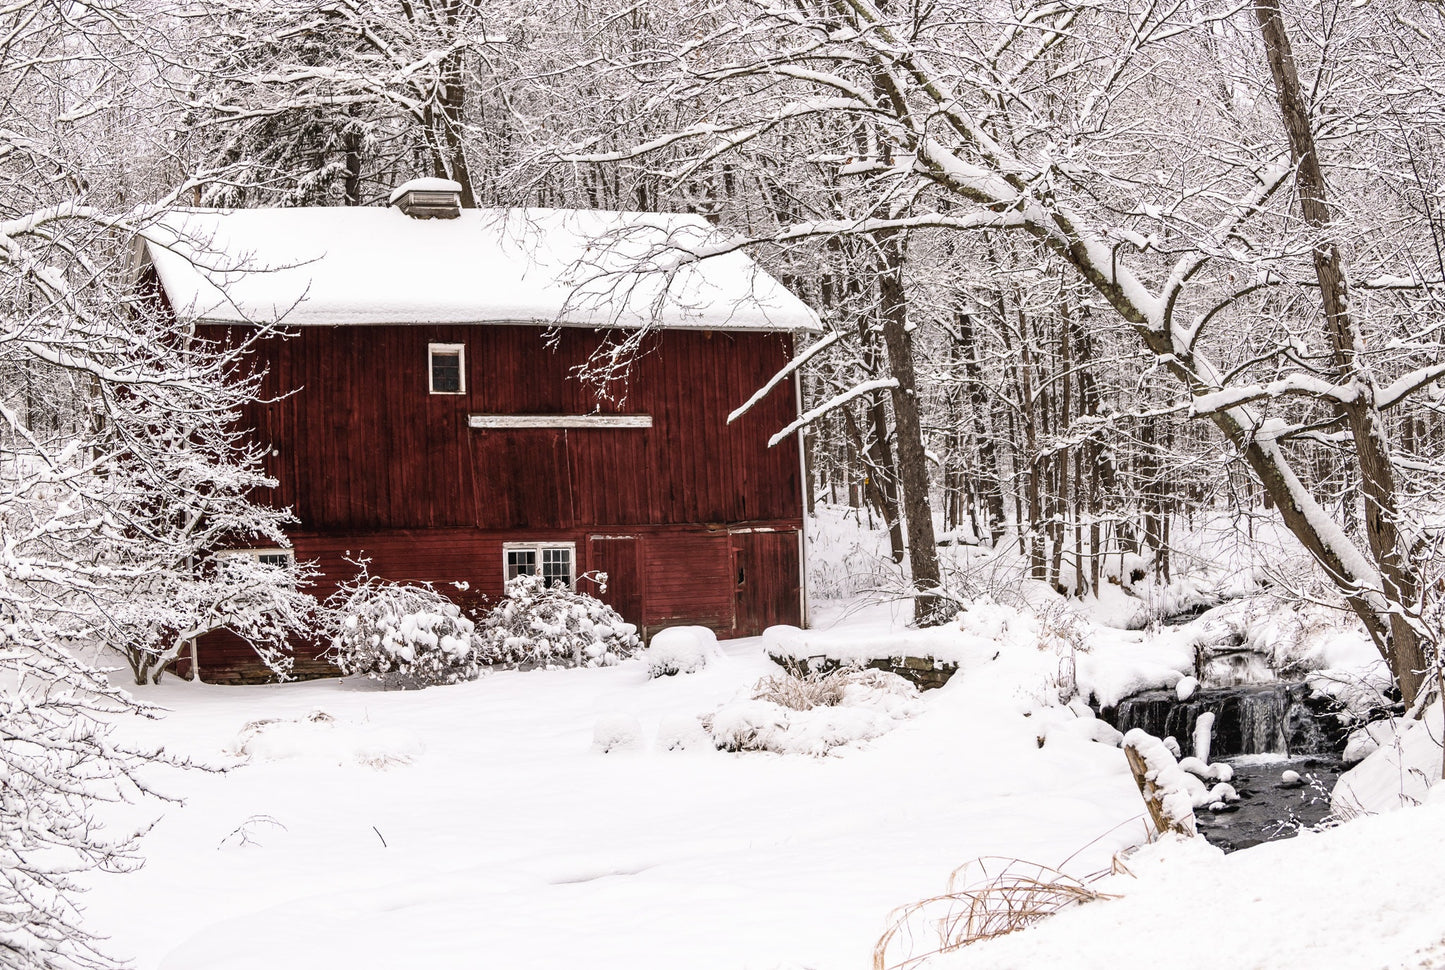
{"x":552,"y":562}
{"x":521,"y":562}
{"x":282,"y":559}
{"x":448,"y":368}
{"x":557,"y":566}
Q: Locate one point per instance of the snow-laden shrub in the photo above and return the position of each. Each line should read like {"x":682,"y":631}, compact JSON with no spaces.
{"x":555,"y":626}
{"x":680,"y":650}
{"x":815,"y":714}
{"x":805,"y":693}
{"x":617,"y":732}
{"x":677,"y":732}
{"x":322,"y":737}
{"x":403,"y":635}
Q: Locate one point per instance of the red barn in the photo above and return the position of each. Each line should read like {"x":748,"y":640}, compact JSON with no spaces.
{"x":426,"y":412}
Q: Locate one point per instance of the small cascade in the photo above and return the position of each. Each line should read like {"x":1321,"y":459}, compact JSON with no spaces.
{"x":1274,"y":718}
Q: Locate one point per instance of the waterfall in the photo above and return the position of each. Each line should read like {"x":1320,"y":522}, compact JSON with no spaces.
{"x":1271,"y":718}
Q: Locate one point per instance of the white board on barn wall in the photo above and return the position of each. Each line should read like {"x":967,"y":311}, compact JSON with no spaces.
{"x":507,"y":421}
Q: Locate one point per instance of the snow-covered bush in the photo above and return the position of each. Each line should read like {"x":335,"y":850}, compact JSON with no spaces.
{"x":815,"y":714}
{"x":677,"y":732}
{"x":403,"y":635}
{"x":680,"y":650}
{"x":321,"y":737}
{"x":806,"y":693}
{"x":617,"y":732}
{"x":555,"y":626}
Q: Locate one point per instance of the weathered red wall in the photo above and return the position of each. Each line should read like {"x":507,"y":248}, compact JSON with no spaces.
{"x":374,"y":465}
{"x":362,"y":445}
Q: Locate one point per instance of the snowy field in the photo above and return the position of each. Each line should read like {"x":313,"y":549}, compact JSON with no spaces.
{"x":582,"y":818}
{"x":511,"y":841}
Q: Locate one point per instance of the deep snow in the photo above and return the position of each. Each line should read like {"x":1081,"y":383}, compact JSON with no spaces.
{"x":512,"y":841}
{"x":583,"y":817}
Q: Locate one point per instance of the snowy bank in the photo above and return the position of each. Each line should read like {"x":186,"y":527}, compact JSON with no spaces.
{"x":1398,"y":773}
{"x":1331,"y":900}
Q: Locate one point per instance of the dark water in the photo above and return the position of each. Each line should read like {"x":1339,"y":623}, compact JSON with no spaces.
{"x":1277,"y":718}
{"x":1262,"y":730}
{"x":1190,"y":615}
{"x":1267,"y":810}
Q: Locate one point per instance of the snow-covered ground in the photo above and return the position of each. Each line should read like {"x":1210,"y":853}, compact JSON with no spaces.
{"x":584,"y":817}
{"x":1363,"y":896}
{"x":511,"y":841}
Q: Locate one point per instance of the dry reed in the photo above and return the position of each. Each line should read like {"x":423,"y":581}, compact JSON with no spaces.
{"x":988,"y":897}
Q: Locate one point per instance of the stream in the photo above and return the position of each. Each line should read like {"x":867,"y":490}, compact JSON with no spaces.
{"x":1261,"y":731}
{"x":1267,"y":809}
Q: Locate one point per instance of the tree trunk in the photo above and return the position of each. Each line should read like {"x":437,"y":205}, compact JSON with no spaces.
{"x":1031,"y":463}
{"x":929,"y":609}
{"x":351,"y":143}
{"x":876,"y":461}
{"x":987,"y":477}
{"x":1402,"y":645}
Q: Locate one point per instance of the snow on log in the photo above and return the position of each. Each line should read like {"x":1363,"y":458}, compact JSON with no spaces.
{"x":1163,"y":784}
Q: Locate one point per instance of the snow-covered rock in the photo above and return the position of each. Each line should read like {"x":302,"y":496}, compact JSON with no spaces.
{"x":1218,"y":771}
{"x":1364,"y":741}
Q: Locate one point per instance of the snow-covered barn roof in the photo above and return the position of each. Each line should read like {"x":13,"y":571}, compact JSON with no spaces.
{"x":357,"y":265}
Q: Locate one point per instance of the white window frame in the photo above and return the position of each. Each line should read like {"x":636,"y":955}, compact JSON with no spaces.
{"x":256,"y":554}
{"x":538,"y":548}
{"x":461,"y":351}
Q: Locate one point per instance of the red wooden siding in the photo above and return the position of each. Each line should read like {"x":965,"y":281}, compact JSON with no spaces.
{"x":689,"y":581}
{"x":657,"y":578}
{"x":360,"y":444}
{"x":375,"y":466}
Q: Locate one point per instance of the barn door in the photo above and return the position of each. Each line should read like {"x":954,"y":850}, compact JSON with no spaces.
{"x":689,"y":581}
{"x":617,"y":556}
{"x":766,"y":578}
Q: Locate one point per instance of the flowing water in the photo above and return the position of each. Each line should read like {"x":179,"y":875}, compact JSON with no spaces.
{"x":1275,"y":718}
{"x":1262,"y":730}
{"x":1269,"y":809}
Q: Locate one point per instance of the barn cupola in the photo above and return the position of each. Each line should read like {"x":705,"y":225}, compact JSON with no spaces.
{"x":429,"y":198}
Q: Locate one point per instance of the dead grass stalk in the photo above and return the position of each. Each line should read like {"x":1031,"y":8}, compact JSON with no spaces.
{"x":988,"y":897}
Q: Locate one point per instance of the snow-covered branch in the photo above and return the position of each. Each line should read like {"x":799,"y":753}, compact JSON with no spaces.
{"x":853,"y":393}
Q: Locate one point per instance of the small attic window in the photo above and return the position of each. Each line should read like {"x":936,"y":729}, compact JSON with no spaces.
{"x":447,"y":371}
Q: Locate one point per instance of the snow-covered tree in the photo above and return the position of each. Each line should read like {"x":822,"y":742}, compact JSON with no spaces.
{"x":317,"y":102}
{"x":1141,"y":147}
{"x":121,"y":475}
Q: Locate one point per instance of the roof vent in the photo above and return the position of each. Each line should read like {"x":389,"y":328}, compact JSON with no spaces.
{"x":429,"y":198}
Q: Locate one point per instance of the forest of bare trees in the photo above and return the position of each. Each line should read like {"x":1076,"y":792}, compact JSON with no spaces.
{"x":1087,"y":272}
